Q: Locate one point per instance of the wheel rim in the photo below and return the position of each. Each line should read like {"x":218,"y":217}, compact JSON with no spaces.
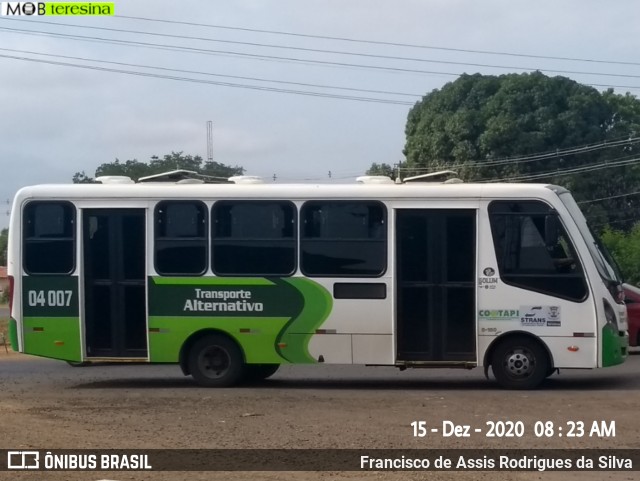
{"x":519,"y":363}
{"x":214,"y":362}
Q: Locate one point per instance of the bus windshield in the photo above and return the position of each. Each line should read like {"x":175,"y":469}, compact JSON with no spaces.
{"x":607,"y":266}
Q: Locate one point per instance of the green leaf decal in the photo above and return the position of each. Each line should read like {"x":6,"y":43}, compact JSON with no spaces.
{"x":298,"y":331}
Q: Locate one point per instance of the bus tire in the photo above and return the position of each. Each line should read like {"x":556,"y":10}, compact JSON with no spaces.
{"x":520,"y":363}
{"x":260,"y":372}
{"x":77,"y":363}
{"x":216,"y":361}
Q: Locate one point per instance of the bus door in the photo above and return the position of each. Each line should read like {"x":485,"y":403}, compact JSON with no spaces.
{"x":114,"y":283}
{"x":435,"y":285}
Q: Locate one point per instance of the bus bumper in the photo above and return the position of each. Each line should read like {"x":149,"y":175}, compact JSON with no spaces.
{"x":615,"y":346}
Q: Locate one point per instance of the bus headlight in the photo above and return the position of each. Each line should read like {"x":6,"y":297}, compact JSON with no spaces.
{"x":610,"y":314}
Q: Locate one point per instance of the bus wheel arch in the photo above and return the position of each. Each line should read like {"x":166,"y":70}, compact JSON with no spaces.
{"x":519,"y":360}
{"x":213,"y":358}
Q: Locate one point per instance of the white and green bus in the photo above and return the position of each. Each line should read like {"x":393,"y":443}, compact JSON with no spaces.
{"x":232,"y":280}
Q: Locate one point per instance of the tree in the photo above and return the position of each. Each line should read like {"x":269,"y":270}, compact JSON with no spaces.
{"x":176,"y":160}
{"x":81,"y":178}
{"x":479,"y":125}
{"x":4,"y":240}
{"x":381,"y":169}
{"x":625,"y":248}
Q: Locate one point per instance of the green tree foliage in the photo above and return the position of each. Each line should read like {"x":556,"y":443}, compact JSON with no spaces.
{"x":472,"y":124}
{"x":625,"y":248}
{"x":4,"y":239}
{"x":381,"y":169}
{"x":82,"y":178}
{"x":176,"y":160}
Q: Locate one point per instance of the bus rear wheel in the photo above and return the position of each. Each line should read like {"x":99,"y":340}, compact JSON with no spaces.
{"x":260,"y":372}
{"x":520,"y":363}
{"x":216,"y":361}
{"x":77,"y":363}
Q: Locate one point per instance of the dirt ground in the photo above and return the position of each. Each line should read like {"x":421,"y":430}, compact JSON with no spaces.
{"x":46,"y":404}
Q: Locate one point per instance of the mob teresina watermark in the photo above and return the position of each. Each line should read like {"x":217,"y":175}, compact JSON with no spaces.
{"x":57,"y":8}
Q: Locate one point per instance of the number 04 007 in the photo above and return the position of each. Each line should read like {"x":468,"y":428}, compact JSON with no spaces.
{"x":49,"y":298}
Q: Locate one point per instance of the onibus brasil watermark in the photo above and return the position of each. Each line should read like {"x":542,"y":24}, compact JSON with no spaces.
{"x":502,"y":459}
{"x":34,"y":460}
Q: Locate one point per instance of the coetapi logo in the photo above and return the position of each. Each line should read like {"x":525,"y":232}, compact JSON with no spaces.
{"x":56,"y":8}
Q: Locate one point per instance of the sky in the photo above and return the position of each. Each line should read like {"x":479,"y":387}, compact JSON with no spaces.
{"x":56,"y":119}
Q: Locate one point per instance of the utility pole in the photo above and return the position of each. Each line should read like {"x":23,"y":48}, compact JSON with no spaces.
{"x":209,"y":141}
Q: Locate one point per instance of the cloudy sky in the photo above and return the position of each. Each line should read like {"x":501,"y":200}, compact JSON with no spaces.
{"x":57,"y":119}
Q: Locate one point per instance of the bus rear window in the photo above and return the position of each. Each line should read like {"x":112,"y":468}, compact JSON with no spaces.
{"x":49,"y":237}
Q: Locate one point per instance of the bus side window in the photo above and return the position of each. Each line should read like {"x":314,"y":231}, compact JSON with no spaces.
{"x":253,"y":238}
{"x":534,"y":251}
{"x":343,"y":238}
{"x":180,"y":238}
{"x":49,"y":237}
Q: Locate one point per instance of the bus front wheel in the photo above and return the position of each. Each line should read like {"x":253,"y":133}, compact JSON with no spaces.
{"x":520,"y":363}
{"x":216,"y":361}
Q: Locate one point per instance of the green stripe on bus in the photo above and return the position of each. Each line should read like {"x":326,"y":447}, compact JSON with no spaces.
{"x":258,"y":343}
{"x":213,"y":281}
{"x":614,"y":346}
{"x":297,"y":333}
{"x":273,"y":320}
{"x":54,"y":337}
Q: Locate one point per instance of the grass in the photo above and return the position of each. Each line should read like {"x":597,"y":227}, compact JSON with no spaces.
{"x":4,"y":331}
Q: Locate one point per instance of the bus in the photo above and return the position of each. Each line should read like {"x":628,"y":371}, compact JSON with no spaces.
{"x":232,"y":280}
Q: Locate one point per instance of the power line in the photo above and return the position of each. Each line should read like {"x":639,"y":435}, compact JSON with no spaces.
{"x":378,"y":42}
{"x":619,"y":221}
{"x":324,"y":51}
{"x":608,"y":198}
{"x":211,"y":82}
{"x":205,"y":51}
{"x":570,"y":171}
{"x":569,"y":151}
{"x":290,"y":59}
{"x":256,"y":79}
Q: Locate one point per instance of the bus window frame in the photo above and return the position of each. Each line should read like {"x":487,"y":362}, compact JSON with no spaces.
{"x":562,"y":229}
{"x":383,"y":240}
{"x":205,"y":209}
{"x":26,"y":240}
{"x":294,"y":239}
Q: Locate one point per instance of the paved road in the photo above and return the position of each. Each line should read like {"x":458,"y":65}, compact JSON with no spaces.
{"x":28,"y":370}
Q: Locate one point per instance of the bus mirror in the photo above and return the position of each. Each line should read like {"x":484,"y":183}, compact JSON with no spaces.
{"x":551,"y":231}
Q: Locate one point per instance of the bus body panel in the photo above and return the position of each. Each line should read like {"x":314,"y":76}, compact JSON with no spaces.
{"x":51,"y":322}
{"x":376,"y":349}
{"x":272,"y":319}
{"x":332,"y":348}
{"x":355,"y":315}
{"x":299,"y":319}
